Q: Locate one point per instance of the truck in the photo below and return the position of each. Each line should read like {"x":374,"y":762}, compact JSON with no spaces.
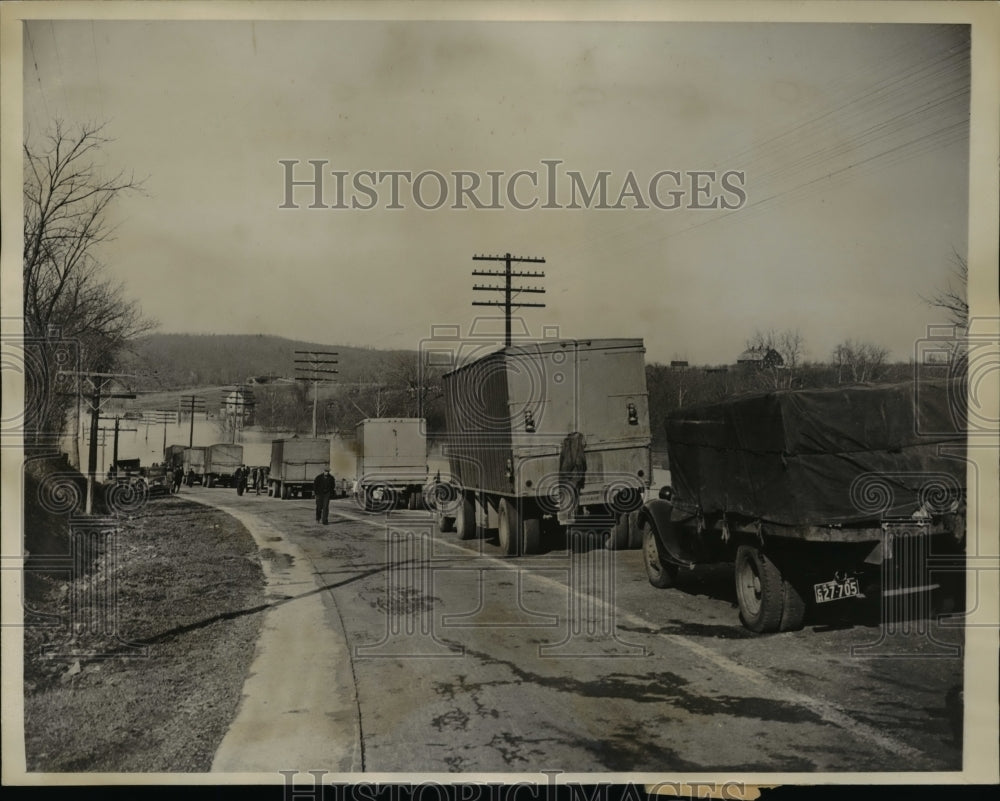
{"x":194,"y":464}
{"x":221,"y":462}
{"x":554,"y":432}
{"x":814,"y":496}
{"x":295,"y":463}
{"x":173,"y":456}
{"x":391,"y":463}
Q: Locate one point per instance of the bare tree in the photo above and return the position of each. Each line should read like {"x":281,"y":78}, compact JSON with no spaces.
{"x":952,"y":298}
{"x":66,"y":294}
{"x":779,"y":355}
{"x":861,"y":361}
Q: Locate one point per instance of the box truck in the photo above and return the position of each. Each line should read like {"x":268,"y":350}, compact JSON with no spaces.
{"x":173,"y":456}
{"x":194,"y":465}
{"x":295,"y":463}
{"x":221,"y":462}
{"x":556,"y":430}
{"x":392,"y":462}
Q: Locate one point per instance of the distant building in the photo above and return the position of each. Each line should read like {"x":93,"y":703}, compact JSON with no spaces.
{"x":239,"y":404}
{"x":761,"y":358}
{"x":678,"y":363}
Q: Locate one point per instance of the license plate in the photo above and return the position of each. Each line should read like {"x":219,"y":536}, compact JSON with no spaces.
{"x":835,"y":590}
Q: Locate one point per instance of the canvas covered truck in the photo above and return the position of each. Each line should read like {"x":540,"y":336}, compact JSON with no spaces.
{"x":392,"y":462}
{"x":295,"y":463}
{"x":194,"y":464}
{"x":554,"y":432}
{"x":221,"y":462}
{"x":173,"y":456}
{"x":815,"y":496}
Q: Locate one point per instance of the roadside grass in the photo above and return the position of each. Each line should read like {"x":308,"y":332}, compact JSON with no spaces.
{"x":136,"y":661}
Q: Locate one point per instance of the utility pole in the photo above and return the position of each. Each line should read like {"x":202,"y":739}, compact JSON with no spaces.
{"x":319,"y":363}
{"x":193,"y":404}
{"x":509,"y":291}
{"x":117,"y":429}
{"x":160,"y":417}
{"x":98,"y":382}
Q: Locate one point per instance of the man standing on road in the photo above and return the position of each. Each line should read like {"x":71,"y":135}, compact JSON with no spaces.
{"x":323,"y":487}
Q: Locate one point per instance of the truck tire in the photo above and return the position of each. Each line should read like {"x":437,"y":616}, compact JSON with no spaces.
{"x":531,"y":535}
{"x":509,"y":527}
{"x":759,"y":590}
{"x":286,"y":491}
{"x":209,"y":481}
{"x":618,"y":539}
{"x":635,"y":540}
{"x":793,"y":612}
{"x":465,"y":523}
{"x":445,"y":523}
{"x":660,"y":574}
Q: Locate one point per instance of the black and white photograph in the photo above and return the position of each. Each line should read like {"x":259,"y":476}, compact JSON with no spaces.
{"x":547,"y":393}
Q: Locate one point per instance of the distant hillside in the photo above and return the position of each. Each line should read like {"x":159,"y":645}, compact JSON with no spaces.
{"x":182,"y":361}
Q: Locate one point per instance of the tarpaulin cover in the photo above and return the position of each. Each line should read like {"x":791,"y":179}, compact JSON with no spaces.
{"x":819,"y":457}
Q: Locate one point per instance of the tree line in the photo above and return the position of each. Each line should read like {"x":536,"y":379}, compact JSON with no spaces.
{"x":78,"y":321}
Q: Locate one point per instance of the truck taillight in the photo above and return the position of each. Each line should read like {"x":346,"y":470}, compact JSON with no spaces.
{"x":529,"y":421}
{"x":633,"y":415}
{"x":509,"y":469}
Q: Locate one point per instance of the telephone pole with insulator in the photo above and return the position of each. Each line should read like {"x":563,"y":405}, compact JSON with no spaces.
{"x":510,"y":291}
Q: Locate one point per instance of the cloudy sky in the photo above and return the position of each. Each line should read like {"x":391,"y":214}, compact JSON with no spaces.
{"x":851,"y":142}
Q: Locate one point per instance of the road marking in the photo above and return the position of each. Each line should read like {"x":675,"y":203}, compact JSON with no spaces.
{"x":823,"y":710}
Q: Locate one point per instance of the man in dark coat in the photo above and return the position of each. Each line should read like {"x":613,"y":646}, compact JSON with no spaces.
{"x":323,"y":487}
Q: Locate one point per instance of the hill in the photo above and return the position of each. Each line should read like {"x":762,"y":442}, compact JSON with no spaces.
{"x":183,"y":361}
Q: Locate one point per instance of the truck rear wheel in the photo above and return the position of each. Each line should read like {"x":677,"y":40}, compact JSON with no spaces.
{"x":634,"y":531}
{"x":759,"y":590}
{"x":659,"y":574}
{"x":793,"y":613}
{"x":465,"y":522}
{"x":509,"y":527}
{"x":531,"y":535}
{"x":286,"y":491}
{"x":618,"y":540}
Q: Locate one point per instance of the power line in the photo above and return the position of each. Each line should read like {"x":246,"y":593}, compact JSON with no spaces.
{"x":319,"y":364}
{"x":99,"y":382}
{"x":510,"y":291}
{"x":194,"y":403}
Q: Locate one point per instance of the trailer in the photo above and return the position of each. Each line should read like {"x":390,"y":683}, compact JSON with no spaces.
{"x":173,"y":456}
{"x":814,"y":496}
{"x":194,"y":464}
{"x":392,"y":462}
{"x":295,"y":463}
{"x":221,"y":462}
{"x":555,"y":432}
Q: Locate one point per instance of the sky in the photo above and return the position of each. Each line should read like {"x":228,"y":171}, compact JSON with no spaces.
{"x":846,"y":148}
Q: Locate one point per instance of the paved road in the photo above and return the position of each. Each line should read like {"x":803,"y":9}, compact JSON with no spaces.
{"x":458,"y":659}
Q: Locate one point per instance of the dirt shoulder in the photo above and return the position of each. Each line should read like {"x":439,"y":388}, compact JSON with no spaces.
{"x":143,"y":661}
